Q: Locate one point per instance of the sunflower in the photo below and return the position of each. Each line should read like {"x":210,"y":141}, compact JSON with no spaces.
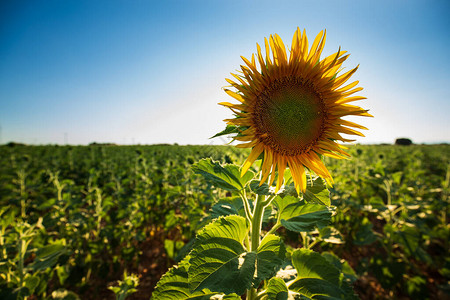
{"x":290,"y":109}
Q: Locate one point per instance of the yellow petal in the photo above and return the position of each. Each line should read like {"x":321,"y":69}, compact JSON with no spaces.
{"x":256,"y":151}
{"x":281,"y":168}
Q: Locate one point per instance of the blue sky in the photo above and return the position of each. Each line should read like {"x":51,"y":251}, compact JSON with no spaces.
{"x":153,"y":71}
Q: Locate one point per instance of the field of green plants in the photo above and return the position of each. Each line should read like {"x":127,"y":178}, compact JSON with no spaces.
{"x":106,"y":222}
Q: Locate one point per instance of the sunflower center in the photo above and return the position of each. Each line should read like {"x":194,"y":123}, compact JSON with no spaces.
{"x":289,"y":116}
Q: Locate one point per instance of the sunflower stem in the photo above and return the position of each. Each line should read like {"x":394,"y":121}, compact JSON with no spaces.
{"x":257,"y":221}
{"x":269,"y":200}
{"x":258,"y":213}
{"x":248,"y":213}
{"x":274,"y":228}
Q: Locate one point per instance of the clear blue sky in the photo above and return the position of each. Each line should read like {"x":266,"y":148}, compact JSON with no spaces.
{"x":153,"y":71}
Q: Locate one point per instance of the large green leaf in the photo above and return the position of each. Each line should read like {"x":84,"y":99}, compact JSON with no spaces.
{"x":270,"y":256}
{"x":174,"y":285}
{"x":277,"y":289}
{"x":316,"y":277}
{"x":300,"y":216}
{"x":227,"y":177}
{"x":228,"y":206}
{"x":317,"y":192}
{"x":219,"y":261}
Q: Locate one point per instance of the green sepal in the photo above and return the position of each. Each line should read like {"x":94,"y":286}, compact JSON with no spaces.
{"x":228,"y":130}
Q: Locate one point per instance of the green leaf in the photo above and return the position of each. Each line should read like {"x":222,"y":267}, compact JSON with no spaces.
{"x":228,"y":206}
{"x":277,"y":289}
{"x":260,"y":189}
{"x":218,"y":261}
{"x":341,"y":265}
{"x":317,"y":192}
{"x":47,"y":256}
{"x":49,"y":250}
{"x":228,"y":130}
{"x":270,"y":256}
{"x":6,"y":217}
{"x":300,"y":216}
{"x":316,"y":277}
{"x":174,"y":285}
{"x":31,"y":283}
{"x":227,"y":177}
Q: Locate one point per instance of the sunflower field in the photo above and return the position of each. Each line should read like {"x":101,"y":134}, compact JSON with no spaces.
{"x":106,"y":222}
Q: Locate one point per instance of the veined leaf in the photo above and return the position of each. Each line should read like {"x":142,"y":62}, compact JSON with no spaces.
{"x":317,"y":192}
{"x":219,"y":261}
{"x":174,"y":285}
{"x":316,"y":277}
{"x":270,"y":256}
{"x":300,"y":216}
{"x":227,"y":177}
{"x":341,"y":265}
{"x":228,"y":206}
{"x":260,"y":189}
{"x":277,"y":289}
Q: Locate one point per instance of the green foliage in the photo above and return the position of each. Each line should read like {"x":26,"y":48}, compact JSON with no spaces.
{"x":73,"y":218}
